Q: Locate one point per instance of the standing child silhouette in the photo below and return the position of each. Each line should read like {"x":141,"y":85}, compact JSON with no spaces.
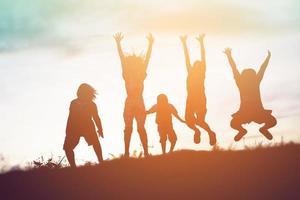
{"x":83,"y":114}
{"x":195,"y":110}
{"x":251,"y":107}
{"x":164,"y":112}
{"x":134,"y":73}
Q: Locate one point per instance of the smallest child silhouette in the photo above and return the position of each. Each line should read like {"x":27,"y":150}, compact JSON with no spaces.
{"x":164,"y":112}
{"x":83,"y":115}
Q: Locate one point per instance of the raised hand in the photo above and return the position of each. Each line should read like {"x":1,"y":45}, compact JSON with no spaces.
{"x":150,"y":38}
{"x":183,"y":38}
{"x":200,"y":37}
{"x":269,"y":53}
{"x":227,"y":51}
{"x":118,"y":37}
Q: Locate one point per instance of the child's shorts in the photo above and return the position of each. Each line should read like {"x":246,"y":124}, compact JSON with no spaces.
{"x":72,"y":140}
{"x":167,"y":132}
{"x":257,"y":117}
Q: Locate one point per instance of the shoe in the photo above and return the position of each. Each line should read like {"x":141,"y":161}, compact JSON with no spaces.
{"x":239,"y":136}
{"x":212,"y":138}
{"x":266,"y":133}
{"x":197,"y":137}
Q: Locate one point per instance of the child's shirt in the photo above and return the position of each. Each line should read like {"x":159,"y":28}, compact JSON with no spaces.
{"x":134,"y":76}
{"x":250,"y":95}
{"x":164,"y":113}
{"x":80,"y":116}
{"x":195,"y":85}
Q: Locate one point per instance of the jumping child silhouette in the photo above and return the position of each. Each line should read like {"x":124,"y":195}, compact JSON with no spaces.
{"x":195,"y":111}
{"x":83,"y":114}
{"x":164,"y":112}
{"x":251,"y":107}
{"x":134,"y":73}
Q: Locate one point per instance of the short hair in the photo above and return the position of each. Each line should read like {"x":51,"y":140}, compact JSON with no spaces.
{"x":86,"y":91}
{"x":162,"y":98}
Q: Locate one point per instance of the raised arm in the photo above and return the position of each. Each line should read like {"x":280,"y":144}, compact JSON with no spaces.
{"x":118,"y":38}
{"x":200,"y":38}
{"x":149,"y":51}
{"x":263,"y":67}
{"x":186,"y":53}
{"x":236,"y":73}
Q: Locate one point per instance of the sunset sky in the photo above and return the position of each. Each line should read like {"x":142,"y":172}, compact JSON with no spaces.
{"x":49,"y":47}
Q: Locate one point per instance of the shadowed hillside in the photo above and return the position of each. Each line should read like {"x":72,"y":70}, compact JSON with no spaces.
{"x":263,"y":173}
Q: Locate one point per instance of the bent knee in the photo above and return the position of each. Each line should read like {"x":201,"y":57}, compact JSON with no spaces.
{"x":128,"y":130}
{"x":141,"y":130}
{"x":173,"y":140}
{"x":163,"y":139}
{"x":235,"y":122}
{"x":272,"y":121}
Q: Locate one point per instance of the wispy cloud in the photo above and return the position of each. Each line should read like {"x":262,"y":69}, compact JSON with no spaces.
{"x":25,"y":23}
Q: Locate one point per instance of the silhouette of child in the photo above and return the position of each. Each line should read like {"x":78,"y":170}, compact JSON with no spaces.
{"x":195,"y":111}
{"x":164,"y":112}
{"x":83,"y":114}
{"x":251,"y":107}
{"x":134,"y":73}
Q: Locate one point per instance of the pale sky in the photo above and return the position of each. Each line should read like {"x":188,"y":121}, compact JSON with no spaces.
{"x":49,"y":47}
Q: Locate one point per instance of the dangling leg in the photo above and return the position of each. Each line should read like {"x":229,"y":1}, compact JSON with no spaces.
{"x":70,"y":156}
{"x":200,"y":121}
{"x":270,"y":121}
{"x":143,"y":137}
{"x":163,"y":146}
{"x":128,"y":119}
{"x":140,"y":120}
{"x":70,"y":143}
{"x":173,"y":139}
{"x":98,"y":151}
{"x":236,"y":124}
{"x":212,"y":135}
{"x":191,"y":122}
{"x":163,"y":138}
{"x":127,"y":137}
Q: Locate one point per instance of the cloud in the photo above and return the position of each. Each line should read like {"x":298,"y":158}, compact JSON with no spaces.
{"x":26,"y":23}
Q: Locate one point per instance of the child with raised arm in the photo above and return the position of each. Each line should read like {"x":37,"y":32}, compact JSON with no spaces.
{"x":83,"y":114}
{"x":134,"y":70}
{"x":164,"y":112}
{"x":251,"y":107}
{"x":195,"y":110}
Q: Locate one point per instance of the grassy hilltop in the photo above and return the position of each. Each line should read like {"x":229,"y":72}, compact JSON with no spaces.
{"x":261,"y":173}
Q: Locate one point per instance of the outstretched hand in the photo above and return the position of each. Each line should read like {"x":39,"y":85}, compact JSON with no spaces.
{"x":150,"y":38}
{"x":118,"y":37}
{"x":269,"y":53}
{"x":183,"y":38}
{"x":227,"y":51}
{"x":100,"y":133}
{"x":200,"y":37}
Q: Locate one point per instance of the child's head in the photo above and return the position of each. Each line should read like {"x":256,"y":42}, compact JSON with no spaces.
{"x":198,"y":66}
{"x":162,"y":99}
{"x":248,"y":74}
{"x":86,"y":92}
